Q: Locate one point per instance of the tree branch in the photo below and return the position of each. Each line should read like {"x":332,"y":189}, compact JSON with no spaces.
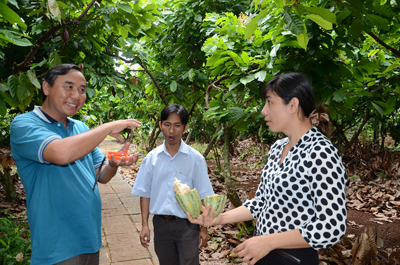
{"x":160,"y":91}
{"x":381,"y":42}
{"x":18,"y":67}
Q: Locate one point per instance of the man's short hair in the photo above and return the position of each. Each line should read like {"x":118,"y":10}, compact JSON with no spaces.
{"x":175,"y":108}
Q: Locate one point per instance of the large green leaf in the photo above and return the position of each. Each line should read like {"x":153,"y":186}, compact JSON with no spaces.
{"x":33,"y":79}
{"x":54,"y":59}
{"x":252,"y":25}
{"x":320,"y":21}
{"x":12,"y":17}
{"x":379,"y":109}
{"x":13,"y":84}
{"x":303,"y":40}
{"x":324,"y":13}
{"x":125,"y":7}
{"x":380,"y":22}
{"x":54,"y":9}
{"x":15,"y":38}
{"x":233,"y":114}
{"x":247,"y":79}
{"x":173,"y":86}
{"x":294,"y":23}
{"x":260,"y":75}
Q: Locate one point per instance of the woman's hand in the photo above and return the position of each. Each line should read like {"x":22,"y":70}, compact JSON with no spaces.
{"x":206,"y":218}
{"x":253,"y":249}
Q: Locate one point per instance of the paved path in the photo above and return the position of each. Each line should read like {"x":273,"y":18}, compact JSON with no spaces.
{"x":122,"y":222}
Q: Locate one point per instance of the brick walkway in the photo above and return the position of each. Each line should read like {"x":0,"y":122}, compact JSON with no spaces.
{"x":122,"y":222}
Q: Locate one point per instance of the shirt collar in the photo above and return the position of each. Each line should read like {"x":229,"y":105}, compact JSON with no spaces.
{"x":46,"y":117}
{"x":184,"y":148}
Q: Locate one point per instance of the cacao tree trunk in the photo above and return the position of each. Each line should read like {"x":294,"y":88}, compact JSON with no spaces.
{"x":153,"y":136}
{"x":7,"y":182}
{"x":230,"y":187}
{"x":212,"y":142}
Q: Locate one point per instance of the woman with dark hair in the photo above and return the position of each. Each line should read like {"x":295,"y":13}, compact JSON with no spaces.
{"x":300,"y":202}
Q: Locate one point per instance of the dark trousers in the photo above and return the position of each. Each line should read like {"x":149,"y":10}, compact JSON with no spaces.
{"x":176,"y":241}
{"x":84,"y":259}
{"x":307,"y":256}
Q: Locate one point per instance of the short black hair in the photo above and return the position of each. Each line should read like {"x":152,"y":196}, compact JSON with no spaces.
{"x":175,"y":108}
{"x":53,"y":73}
{"x":292,"y":85}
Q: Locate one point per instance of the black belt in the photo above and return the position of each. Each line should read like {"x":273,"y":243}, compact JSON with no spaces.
{"x":168,"y":217}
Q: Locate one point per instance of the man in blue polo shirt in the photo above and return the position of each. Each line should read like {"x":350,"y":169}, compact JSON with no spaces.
{"x":57,"y":160}
{"x":176,"y":240}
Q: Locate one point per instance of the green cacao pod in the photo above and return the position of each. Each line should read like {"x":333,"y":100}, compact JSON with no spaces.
{"x":188,"y":199}
{"x":217,"y":202}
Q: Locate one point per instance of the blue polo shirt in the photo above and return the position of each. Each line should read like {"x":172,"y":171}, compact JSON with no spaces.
{"x":64,"y":213}
{"x":156,"y":175}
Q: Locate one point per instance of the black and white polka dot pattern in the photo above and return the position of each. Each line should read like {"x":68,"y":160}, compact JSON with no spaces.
{"x":305,"y":192}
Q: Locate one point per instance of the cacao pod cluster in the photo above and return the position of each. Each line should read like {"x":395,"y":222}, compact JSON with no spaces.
{"x":190,"y":201}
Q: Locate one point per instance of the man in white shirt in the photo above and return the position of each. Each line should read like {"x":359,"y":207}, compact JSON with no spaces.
{"x":176,"y":240}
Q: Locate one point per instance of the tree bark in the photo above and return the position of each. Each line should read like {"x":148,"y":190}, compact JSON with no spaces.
{"x":7,"y":182}
{"x":153,"y":136}
{"x":231,"y":190}
{"x":212,"y":142}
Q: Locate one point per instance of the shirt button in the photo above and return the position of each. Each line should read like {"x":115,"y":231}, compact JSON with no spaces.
{"x":58,"y":125}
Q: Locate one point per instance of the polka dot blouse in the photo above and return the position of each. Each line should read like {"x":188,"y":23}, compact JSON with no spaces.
{"x":306,"y":191}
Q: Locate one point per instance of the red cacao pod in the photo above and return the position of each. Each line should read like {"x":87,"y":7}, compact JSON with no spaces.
{"x":65,"y":36}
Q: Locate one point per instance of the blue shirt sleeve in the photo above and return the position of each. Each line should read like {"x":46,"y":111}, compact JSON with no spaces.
{"x":29,"y":138}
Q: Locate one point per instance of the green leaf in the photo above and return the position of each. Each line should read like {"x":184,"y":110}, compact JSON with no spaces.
{"x":391,"y":67}
{"x":303,"y":40}
{"x":339,"y":96}
{"x":379,"y":109}
{"x":125,"y":7}
{"x":355,"y":30}
{"x":234,"y":85}
{"x":192,"y":74}
{"x":3,"y":87}
{"x":15,"y":38}
{"x":33,"y":79}
{"x":323,"y":13}
{"x":63,"y":5}
{"x":260,"y":76}
{"x":54,"y":59}
{"x":173,"y":86}
{"x":234,"y":114}
{"x":211,"y":60}
{"x":252,"y":25}
{"x":294,"y":23}
{"x":12,"y":17}
{"x":320,"y":21}
{"x":245,"y":57}
{"x":380,"y":22}
{"x":274,"y":50}
{"x":13,"y":84}
{"x":247,"y":79}
{"x":342,"y":15}
{"x":54,"y":9}
{"x":23,"y":92}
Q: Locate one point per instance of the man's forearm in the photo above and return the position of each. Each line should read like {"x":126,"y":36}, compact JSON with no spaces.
{"x":145,"y":211}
